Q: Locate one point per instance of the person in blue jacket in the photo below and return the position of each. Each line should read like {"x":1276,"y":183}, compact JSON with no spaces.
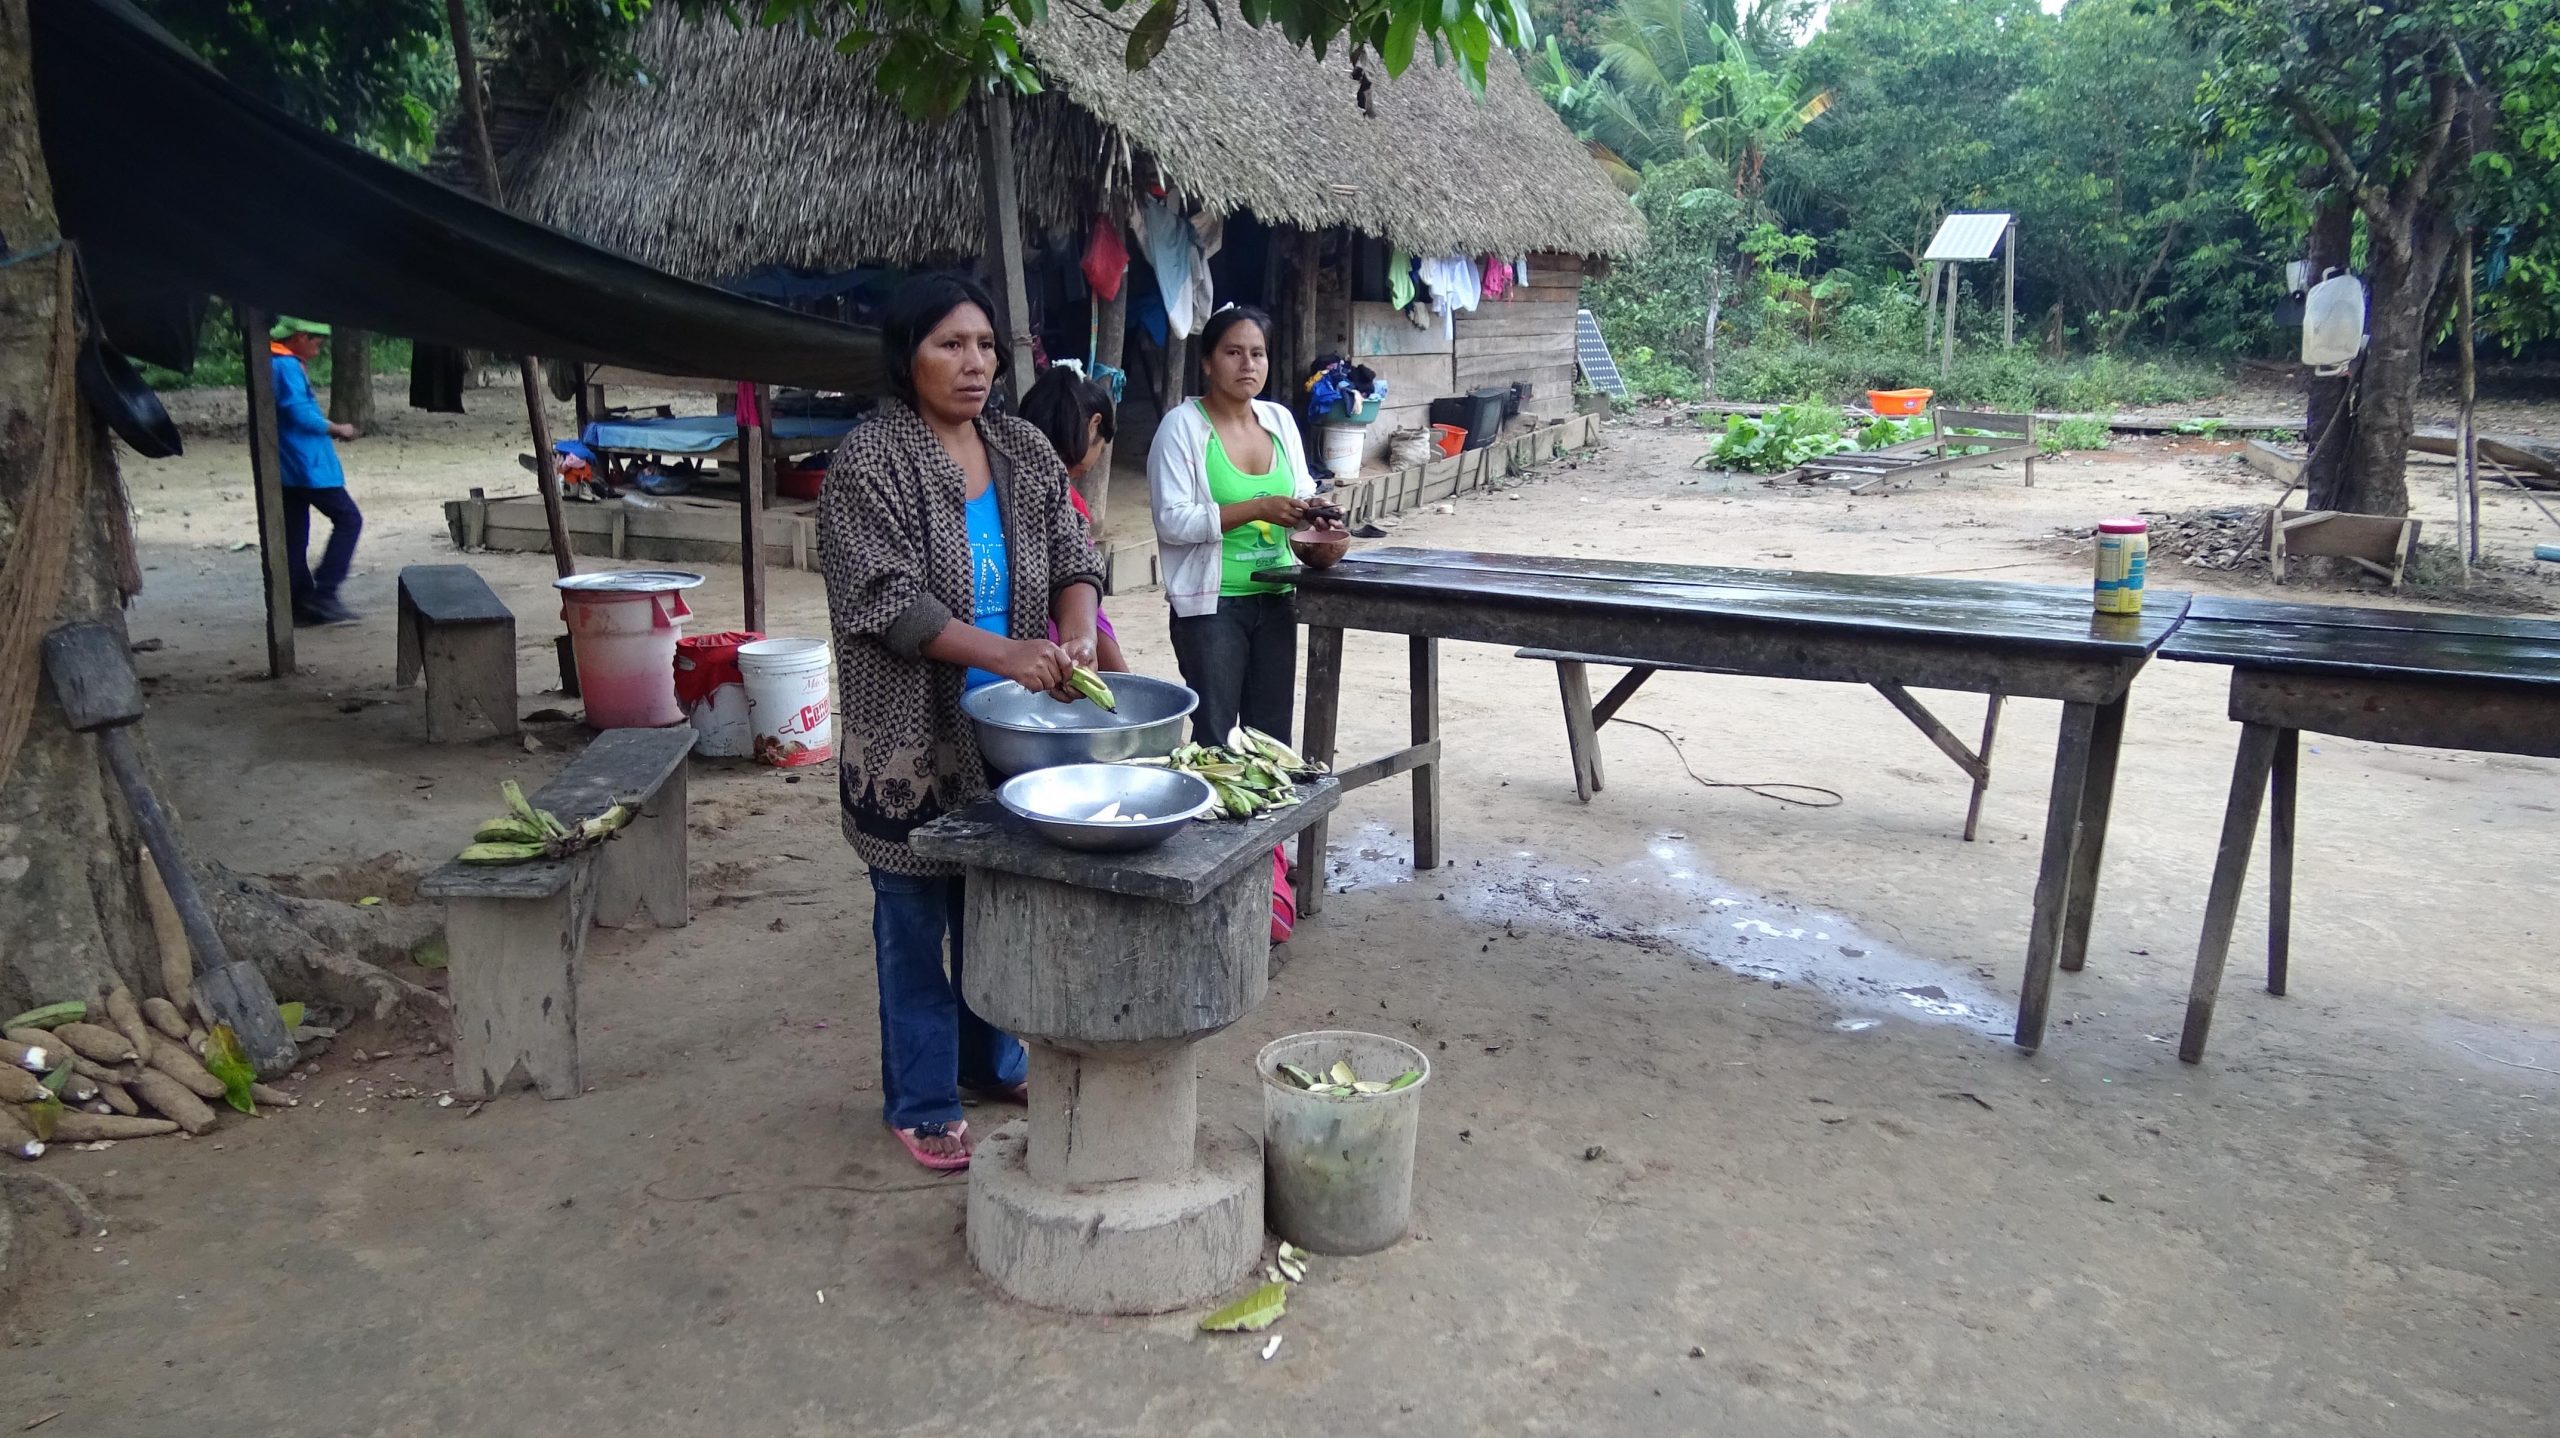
{"x":312,"y":478}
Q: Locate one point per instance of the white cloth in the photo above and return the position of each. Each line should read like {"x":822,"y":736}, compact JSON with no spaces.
{"x":1210,"y":235}
{"x":1187,"y":532}
{"x":1456,"y":284}
{"x":1173,"y":249}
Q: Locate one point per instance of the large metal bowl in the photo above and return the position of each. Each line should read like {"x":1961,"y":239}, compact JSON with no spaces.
{"x":1020,"y":730}
{"x":1061,"y":801}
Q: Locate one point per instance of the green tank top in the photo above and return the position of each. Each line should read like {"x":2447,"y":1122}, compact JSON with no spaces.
{"x":1255,"y":546}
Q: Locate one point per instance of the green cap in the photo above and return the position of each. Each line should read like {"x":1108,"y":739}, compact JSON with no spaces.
{"x":288,"y":327}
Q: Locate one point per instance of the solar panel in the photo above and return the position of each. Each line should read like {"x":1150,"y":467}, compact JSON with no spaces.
{"x":1592,"y":353}
{"x":1967,"y":237}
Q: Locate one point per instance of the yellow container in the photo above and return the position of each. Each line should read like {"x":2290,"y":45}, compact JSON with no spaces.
{"x":2124,"y":553}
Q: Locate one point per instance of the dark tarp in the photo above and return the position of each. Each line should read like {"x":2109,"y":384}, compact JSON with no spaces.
{"x":177,"y":184}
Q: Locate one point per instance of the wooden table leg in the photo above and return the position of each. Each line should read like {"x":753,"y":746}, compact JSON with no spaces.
{"x":1581,"y":736}
{"x":2230,"y":870}
{"x":2091,"y":848}
{"x":1982,"y":776}
{"x":2053,"y":877}
{"x":1426,"y":777}
{"x":1324,"y":706}
{"x":2287,"y":771}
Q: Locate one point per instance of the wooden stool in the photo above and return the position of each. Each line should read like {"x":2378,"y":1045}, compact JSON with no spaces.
{"x":514,"y":932}
{"x":456,"y":629}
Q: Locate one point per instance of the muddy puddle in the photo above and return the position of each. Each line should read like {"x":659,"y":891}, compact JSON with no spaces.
{"x":1671,"y":902}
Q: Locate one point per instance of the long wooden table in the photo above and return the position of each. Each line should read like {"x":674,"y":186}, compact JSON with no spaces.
{"x":2030,"y":641}
{"x":2439,"y":681}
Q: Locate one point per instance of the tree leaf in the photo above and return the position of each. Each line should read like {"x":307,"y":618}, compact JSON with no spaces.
{"x":224,"y":1060}
{"x":1252,"y":1313}
{"x":1398,"y":51}
{"x":1146,"y":39}
{"x":291,"y":1014}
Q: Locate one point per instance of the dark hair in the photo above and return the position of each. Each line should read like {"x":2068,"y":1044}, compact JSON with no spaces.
{"x":920,"y":304}
{"x":1060,"y":405}
{"x":1227,"y":319}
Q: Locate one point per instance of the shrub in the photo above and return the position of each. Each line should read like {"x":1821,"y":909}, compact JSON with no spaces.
{"x":2071,"y":434}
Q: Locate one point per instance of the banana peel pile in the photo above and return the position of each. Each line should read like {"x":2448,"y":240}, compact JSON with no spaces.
{"x":525,"y":833}
{"x":1251,"y":772}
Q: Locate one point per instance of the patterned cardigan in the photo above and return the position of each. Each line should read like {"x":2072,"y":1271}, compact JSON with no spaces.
{"x":893,"y":540}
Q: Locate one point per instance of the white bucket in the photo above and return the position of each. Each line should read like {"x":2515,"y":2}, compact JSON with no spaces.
{"x":721,"y":719}
{"x":788,"y":702}
{"x":1343,"y":446}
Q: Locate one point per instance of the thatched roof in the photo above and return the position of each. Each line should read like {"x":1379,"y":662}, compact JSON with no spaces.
{"x":767,"y":147}
{"x":762,"y":146}
{"x":1243,"y":120}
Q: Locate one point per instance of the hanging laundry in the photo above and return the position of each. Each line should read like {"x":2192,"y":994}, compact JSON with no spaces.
{"x":1173,"y":247}
{"x":1520,"y":270}
{"x":1497,"y":276}
{"x":1106,"y":259}
{"x":1211,"y":233}
{"x":1399,"y":278}
{"x":1456,"y":284}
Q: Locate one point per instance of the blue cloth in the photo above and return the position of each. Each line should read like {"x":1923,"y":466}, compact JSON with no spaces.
{"x":931,"y":1043}
{"x":993,"y":575}
{"x":699,"y":433}
{"x":305,"y":456}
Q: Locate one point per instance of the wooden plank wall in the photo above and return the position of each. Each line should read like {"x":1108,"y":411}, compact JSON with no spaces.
{"x":1415,"y":363}
{"x":1525,"y":335}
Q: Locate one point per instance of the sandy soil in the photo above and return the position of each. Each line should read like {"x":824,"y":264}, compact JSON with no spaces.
{"x":1725,"y":1136}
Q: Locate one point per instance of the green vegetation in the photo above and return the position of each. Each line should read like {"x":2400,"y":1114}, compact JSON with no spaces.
{"x":2164,"y":160}
{"x":2066,"y":435}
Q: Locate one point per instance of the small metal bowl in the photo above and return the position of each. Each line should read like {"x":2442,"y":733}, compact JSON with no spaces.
{"x":1020,"y":730}
{"x":1061,"y":801}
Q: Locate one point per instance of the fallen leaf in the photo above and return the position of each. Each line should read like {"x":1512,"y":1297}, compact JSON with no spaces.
{"x":1252,"y":1313}
{"x":369,"y":901}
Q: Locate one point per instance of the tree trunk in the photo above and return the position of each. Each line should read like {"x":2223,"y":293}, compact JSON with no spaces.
{"x":351,"y":378}
{"x":2402,"y":287}
{"x":2328,"y":426}
{"x":1707,"y":341}
{"x":72,"y":919}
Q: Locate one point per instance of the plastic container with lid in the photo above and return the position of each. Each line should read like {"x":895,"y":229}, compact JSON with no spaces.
{"x":623,"y":627}
{"x":2124,"y":552}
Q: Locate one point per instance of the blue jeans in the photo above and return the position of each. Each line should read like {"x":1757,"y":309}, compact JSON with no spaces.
{"x":319,"y":586}
{"x":931,"y":1045}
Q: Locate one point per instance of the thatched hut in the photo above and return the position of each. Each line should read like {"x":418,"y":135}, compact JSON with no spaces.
{"x":762,"y":148}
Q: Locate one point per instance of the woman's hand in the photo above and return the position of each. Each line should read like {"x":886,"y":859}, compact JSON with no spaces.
{"x":1081,"y":649}
{"x":1035,"y":664}
{"x":1282,"y":510}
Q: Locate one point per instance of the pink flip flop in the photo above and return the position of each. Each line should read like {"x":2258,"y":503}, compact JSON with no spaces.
{"x":939,"y":1162}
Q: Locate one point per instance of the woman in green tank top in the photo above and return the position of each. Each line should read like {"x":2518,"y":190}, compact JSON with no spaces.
{"x":1229,"y":484}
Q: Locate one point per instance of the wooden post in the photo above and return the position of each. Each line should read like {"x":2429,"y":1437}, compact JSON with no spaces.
{"x":267,"y":478}
{"x":1110,"y":347}
{"x":1177,"y":351}
{"x":2467,"y":504}
{"x":1303,"y":311}
{"x":1929,"y":311}
{"x":1004,"y":237}
{"x":754,"y":468}
{"x":2009,"y":288}
{"x":1947,"y":335}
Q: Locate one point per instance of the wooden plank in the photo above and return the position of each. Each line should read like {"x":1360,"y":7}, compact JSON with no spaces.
{"x":2418,"y":710}
{"x":1529,"y":342}
{"x":2281,"y":463}
{"x":1387,"y":766}
{"x":2053,"y":873}
{"x":1323,"y":712}
{"x":1423,"y":664}
{"x":758,"y":472}
{"x":1381,"y":329}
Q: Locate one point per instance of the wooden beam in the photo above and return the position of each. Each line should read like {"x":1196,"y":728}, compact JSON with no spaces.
{"x":1004,"y":237}
{"x":266,"y":476}
{"x":1947,"y":335}
{"x":2009,"y":288}
{"x":1110,"y":349}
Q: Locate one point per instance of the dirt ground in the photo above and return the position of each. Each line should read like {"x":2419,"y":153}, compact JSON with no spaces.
{"x":1725,"y":1135}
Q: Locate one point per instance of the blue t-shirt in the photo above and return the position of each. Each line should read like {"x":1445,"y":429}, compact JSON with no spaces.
{"x":305,"y":459}
{"x":993,"y":580}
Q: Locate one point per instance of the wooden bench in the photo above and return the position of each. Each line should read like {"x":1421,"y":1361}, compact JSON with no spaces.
{"x":2379,"y":543}
{"x":456,"y":629}
{"x":1582,"y":720}
{"x":514,"y":933}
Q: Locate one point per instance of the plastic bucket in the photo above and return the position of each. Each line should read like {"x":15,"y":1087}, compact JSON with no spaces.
{"x":623,"y":629}
{"x":713,"y":694}
{"x":1343,"y":447}
{"x":1899,"y":401}
{"x":1451,"y":439}
{"x":788,"y":701}
{"x":1339,"y":1171}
